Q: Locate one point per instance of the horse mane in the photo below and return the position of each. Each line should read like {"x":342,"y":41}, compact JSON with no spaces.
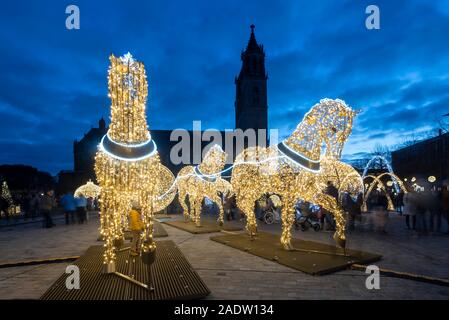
{"x":308,"y":137}
{"x":213,"y":161}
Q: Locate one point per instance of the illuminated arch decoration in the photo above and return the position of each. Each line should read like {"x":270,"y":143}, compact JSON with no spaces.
{"x":88,"y":190}
{"x":203,"y":181}
{"x":377,"y":181}
{"x":127,"y":163}
{"x":389,"y":169}
{"x":294,"y":168}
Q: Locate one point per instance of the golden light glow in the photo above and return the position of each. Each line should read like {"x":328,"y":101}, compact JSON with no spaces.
{"x":6,"y":195}
{"x":258,"y":171}
{"x":203,"y":182}
{"x":88,"y":190}
{"x":124,"y":181}
{"x":431,"y":179}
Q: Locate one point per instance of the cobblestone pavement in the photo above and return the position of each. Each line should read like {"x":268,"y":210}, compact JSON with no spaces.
{"x":233,"y":274}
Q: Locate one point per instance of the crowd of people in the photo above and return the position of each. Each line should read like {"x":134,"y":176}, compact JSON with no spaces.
{"x":422,"y":210}
{"x":45,"y":204}
{"x":425,"y":210}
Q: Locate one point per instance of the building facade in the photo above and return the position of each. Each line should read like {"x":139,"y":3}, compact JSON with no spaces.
{"x":423,"y":159}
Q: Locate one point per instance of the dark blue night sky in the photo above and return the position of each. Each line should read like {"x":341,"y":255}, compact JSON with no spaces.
{"x":53,"y":84}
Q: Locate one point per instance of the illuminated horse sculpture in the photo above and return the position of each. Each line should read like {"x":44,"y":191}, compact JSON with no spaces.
{"x":127,"y":164}
{"x":203,"y":181}
{"x":293,"y":169}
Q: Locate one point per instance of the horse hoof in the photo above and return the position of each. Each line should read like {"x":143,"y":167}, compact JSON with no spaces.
{"x":340,"y":242}
{"x":252,"y":234}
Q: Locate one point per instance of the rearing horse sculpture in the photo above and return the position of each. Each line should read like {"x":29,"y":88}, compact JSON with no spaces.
{"x":203,"y":181}
{"x":292,"y":169}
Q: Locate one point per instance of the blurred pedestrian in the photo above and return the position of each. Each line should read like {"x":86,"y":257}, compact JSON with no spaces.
{"x":227,"y":206}
{"x":433,"y":201}
{"x":421,"y":211}
{"x":69,"y":206}
{"x":410,"y":203}
{"x":347,"y":204}
{"x":445,"y":203}
{"x":81,"y":203}
{"x":34,"y":205}
{"x":326,"y":216}
{"x":399,"y":199}
{"x":380,"y":212}
{"x":354,"y":209}
{"x":46,"y":205}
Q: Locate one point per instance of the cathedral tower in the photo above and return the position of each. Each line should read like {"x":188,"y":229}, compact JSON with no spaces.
{"x":251,"y":108}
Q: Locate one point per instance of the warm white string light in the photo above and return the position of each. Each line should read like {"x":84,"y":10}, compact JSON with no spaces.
{"x":127,"y":163}
{"x":88,"y":190}
{"x":203,"y":181}
{"x":328,"y":122}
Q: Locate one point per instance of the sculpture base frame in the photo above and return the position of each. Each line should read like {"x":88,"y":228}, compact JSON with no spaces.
{"x":172,"y":277}
{"x":110,"y":269}
{"x":307,"y":256}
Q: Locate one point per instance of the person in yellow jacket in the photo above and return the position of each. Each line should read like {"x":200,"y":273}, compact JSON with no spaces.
{"x":135,"y":226}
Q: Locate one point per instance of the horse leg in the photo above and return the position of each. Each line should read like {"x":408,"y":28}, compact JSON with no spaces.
{"x":182,"y":201}
{"x":217,"y":200}
{"x":288,"y":219}
{"x":330,"y":204}
{"x":247,"y":206}
{"x":197,"y":203}
{"x":339,"y":235}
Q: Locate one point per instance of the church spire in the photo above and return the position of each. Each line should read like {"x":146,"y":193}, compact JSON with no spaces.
{"x":253,"y":58}
{"x":252,"y":43}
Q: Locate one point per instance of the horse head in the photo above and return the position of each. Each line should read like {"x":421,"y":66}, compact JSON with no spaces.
{"x":328,"y":122}
{"x":338,"y":126}
{"x":213,"y":161}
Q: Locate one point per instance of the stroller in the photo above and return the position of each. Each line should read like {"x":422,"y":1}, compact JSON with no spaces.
{"x":306,"y":216}
{"x":271,"y":213}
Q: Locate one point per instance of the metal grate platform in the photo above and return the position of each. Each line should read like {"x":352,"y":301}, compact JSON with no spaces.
{"x":206,"y":227}
{"x":309,"y":257}
{"x":173,"y":278}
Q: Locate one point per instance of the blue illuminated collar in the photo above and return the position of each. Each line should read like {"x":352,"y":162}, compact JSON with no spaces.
{"x":128,"y":152}
{"x":298,"y":158}
{"x":204,"y":177}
